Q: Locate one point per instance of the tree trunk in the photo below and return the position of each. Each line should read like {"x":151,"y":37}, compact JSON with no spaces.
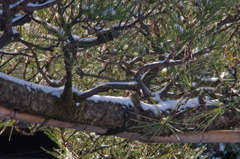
{"x":21,"y":101}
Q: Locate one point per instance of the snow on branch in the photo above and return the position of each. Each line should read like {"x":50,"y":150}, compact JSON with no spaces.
{"x":108,"y":86}
{"x":90,"y":95}
{"x":139,"y":85}
{"x":37,"y":6}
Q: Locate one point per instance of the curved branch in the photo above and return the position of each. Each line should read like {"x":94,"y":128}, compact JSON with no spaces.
{"x":28,"y":44}
{"x":170,"y":63}
{"x":37,"y":6}
{"x":53,"y":84}
{"x":108,"y":86}
{"x":22,"y":19}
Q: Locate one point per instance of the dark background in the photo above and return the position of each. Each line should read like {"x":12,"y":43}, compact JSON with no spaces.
{"x":25,"y":147}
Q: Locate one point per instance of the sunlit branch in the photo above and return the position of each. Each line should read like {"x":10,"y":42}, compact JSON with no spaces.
{"x":109,"y":86}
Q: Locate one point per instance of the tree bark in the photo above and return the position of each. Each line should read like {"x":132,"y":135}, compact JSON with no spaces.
{"x":21,"y":102}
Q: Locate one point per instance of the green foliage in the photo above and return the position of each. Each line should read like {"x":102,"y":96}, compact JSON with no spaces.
{"x":74,"y":144}
{"x":170,"y":28}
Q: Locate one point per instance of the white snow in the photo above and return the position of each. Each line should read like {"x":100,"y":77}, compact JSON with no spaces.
{"x":18,"y":17}
{"x":212,"y":102}
{"x":55,"y":81}
{"x":121,"y":83}
{"x":164,"y":70}
{"x":109,"y":11}
{"x":138,"y":13}
{"x":213,"y":79}
{"x":182,"y":18}
{"x":179,"y":28}
{"x":116,"y":100}
{"x":100,"y":29}
{"x":32,"y":86}
{"x":195,"y":50}
{"x":120,"y":25}
{"x":161,"y":106}
{"x":14,"y":31}
{"x":224,"y":74}
{"x":175,"y":61}
{"x":15,"y":4}
{"x":29,"y":89}
{"x":172,"y":104}
{"x":194,"y":84}
{"x":39,"y":5}
{"x":77,"y":38}
{"x":206,"y":88}
{"x":158,"y":62}
{"x":157,"y":94}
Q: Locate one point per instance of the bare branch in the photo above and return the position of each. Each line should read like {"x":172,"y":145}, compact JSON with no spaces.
{"x":170,"y":63}
{"x":28,"y":44}
{"x":14,"y":67}
{"x":108,"y":86}
{"x":15,"y":53}
{"x":37,"y":6}
{"x":53,"y":84}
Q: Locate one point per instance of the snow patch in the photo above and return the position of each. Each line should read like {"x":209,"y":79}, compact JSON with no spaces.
{"x":77,"y":104}
{"x":39,"y":5}
{"x":179,"y":28}
{"x":32,"y":86}
{"x":154,"y":63}
{"x":14,"y":31}
{"x":172,"y":104}
{"x":120,"y":25}
{"x":213,"y":79}
{"x":100,"y":29}
{"x":224,"y":74}
{"x":182,"y":18}
{"x":115,"y":100}
{"x":121,"y":83}
{"x":76,"y":38}
{"x":18,"y":17}
{"x":109,"y":11}
{"x":15,"y":4}
{"x":161,"y":106}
